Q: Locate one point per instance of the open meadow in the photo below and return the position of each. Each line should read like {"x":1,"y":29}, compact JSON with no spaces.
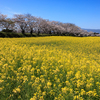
{"x":50,"y":68}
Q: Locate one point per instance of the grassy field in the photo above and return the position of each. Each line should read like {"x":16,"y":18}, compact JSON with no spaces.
{"x":50,"y":68}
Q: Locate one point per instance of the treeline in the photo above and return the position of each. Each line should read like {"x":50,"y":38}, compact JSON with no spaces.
{"x":26,"y":23}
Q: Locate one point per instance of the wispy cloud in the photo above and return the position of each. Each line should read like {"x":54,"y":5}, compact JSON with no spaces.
{"x":12,"y":12}
{"x":7,"y":8}
{"x":8,"y":11}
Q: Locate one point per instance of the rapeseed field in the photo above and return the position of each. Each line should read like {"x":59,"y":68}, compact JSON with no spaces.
{"x":50,"y":68}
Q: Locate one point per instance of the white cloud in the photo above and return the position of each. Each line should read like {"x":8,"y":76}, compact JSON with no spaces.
{"x":8,"y":8}
{"x":8,"y":11}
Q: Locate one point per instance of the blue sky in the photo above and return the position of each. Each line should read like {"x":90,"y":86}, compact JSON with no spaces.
{"x":83,"y":13}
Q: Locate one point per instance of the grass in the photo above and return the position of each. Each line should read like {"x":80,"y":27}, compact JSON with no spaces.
{"x":50,"y":68}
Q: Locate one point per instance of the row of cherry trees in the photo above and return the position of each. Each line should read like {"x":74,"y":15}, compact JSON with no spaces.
{"x":28,"y":23}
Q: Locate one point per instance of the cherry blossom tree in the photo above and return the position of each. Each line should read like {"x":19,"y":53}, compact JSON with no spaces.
{"x":21,"y":21}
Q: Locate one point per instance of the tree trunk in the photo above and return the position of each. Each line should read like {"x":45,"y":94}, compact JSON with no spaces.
{"x":23,"y":32}
{"x":31,"y":32}
{"x":50,"y":32}
{"x":58,"y":33}
{"x":38,"y":32}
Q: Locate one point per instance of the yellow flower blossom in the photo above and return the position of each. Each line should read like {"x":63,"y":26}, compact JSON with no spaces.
{"x":16,"y":90}
{"x":55,"y":67}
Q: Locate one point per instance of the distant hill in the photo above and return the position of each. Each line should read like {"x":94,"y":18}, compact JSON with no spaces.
{"x":93,"y":30}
